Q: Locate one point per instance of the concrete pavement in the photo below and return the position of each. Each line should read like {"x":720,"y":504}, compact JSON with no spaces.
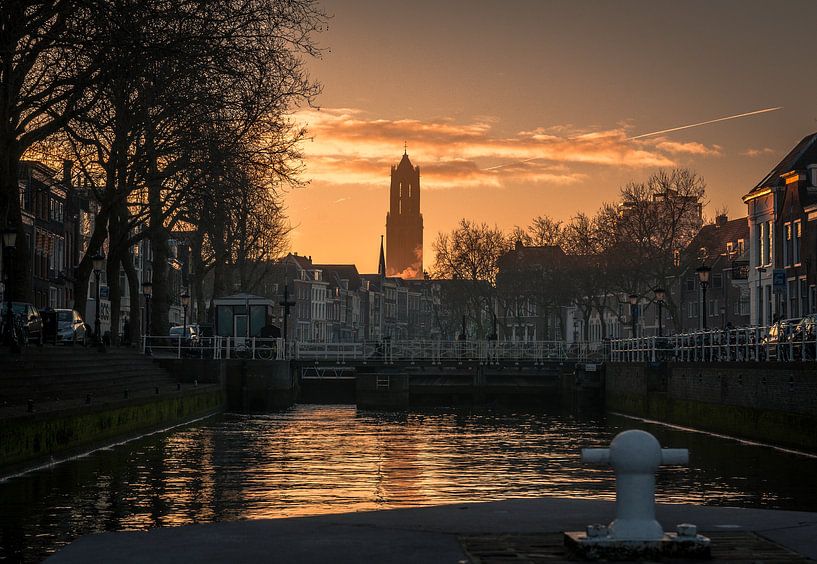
{"x":427,"y":534}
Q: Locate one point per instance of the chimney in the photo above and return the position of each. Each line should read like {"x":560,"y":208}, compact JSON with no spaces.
{"x":518,"y":245}
{"x":66,"y":172}
{"x":721,"y":220}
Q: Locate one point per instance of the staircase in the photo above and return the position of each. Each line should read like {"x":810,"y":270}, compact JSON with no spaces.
{"x":54,"y":374}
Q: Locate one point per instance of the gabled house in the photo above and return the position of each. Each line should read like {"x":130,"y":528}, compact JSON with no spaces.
{"x":782,"y":211}
{"x":723,"y":247}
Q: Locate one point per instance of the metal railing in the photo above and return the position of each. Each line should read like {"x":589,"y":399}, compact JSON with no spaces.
{"x":386,"y":351}
{"x":774,"y":344}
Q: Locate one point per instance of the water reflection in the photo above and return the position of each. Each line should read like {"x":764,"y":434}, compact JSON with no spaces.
{"x":324,"y":459}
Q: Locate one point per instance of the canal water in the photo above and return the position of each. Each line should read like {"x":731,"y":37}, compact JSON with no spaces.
{"x":317,"y":459}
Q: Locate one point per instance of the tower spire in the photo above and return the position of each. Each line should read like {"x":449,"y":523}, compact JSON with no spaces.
{"x":405,"y":148}
{"x":381,"y":265}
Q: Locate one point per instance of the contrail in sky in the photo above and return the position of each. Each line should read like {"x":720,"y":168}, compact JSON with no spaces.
{"x":671,"y":129}
{"x":705,"y":122}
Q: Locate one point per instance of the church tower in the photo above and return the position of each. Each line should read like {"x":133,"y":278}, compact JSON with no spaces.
{"x":404,"y":222}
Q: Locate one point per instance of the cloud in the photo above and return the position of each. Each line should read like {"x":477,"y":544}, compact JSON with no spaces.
{"x":689,"y":148}
{"x":752,"y":153}
{"x":349,"y":147}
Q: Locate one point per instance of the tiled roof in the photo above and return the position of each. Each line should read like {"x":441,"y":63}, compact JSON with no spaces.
{"x":803,"y":154}
{"x":714,"y":237}
{"x":337,"y":272}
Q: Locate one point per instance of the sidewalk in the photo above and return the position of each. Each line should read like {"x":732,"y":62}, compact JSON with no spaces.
{"x":430,"y":534}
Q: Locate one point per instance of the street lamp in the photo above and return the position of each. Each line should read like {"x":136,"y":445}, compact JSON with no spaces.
{"x":147,"y":291}
{"x":185,"y":299}
{"x":703,"y":277}
{"x":99,"y":263}
{"x":286,"y":304}
{"x":660,"y":297}
{"x":9,"y":243}
{"x":633,"y":298}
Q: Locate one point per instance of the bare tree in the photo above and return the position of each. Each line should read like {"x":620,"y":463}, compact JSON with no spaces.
{"x":46,"y":63}
{"x":470,"y":253}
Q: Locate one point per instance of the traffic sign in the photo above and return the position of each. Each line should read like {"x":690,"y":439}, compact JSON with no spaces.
{"x":779,"y":279}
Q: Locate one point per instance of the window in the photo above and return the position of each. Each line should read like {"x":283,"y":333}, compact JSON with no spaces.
{"x":812,"y":292}
{"x":690,"y":284}
{"x":741,"y":246}
{"x":744,"y":305}
{"x":692,"y":310}
{"x":717,"y":280}
{"x":793,"y":299}
{"x":796,"y":233}
{"x":769,"y":243}
{"x":804,"y":309}
{"x":788,"y":248}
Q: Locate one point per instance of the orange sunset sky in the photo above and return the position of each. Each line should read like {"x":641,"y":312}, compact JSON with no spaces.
{"x":514,"y":109}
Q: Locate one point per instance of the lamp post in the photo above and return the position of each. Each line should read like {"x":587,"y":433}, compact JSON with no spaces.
{"x":660,"y":296}
{"x":286,"y":304}
{"x":99,"y":263}
{"x":147,"y":291}
{"x":633,"y":304}
{"x":9,"y":243}
{"x":703,"y":277}
{"x":185,"y":299}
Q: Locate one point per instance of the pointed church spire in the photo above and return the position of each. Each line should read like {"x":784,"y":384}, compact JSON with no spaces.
{"x":405,"y":148}
{"x":381,"y":265}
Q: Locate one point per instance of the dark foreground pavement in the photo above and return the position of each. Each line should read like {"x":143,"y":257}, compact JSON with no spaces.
{"x":429,"y":534}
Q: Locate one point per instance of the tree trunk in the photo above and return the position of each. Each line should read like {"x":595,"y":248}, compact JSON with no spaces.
{"x":86,"y":265}
{"x":11,"y":218}
{"x":135,"y":319}
{"x":114,"y":292}
{"x":197,"y":278}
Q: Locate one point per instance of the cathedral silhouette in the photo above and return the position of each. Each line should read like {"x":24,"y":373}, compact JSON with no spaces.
{"x":404,"y":222}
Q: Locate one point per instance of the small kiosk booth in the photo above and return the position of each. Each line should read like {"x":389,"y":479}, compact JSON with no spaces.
{"x":242,"y":315}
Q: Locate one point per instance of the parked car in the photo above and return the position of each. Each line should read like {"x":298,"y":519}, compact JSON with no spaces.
{"x":29,"y":321}
{"x":189,"y":333}
{"x":71,"y":328}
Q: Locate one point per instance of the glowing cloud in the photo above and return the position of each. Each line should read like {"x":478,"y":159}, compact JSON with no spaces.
{"x":347,"y":147}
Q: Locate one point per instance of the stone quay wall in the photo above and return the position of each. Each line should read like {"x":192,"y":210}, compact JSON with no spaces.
{"x":774,"y":403}
{"x":37,"y":438}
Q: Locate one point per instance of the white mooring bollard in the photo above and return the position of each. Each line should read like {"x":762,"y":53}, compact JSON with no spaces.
{"x":635,"y":457}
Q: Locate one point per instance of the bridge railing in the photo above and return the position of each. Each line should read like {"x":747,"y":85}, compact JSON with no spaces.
{"x":386,"y":351}
{"x":215,"y":347}
{"x":779,"y":343}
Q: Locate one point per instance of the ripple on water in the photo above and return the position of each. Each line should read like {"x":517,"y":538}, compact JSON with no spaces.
{"x":328,"y":459}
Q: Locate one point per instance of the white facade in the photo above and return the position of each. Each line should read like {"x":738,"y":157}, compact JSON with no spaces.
{"x":763,"y":212}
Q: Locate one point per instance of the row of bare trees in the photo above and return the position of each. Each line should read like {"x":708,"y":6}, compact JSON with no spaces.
{"x":175,"y":114}
{"x":628,"y":247}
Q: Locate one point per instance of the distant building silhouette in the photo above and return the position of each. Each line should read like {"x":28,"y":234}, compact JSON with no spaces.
{"x":404,"y":223}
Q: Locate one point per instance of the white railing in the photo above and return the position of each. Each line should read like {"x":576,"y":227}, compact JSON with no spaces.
{"x":776,"y":344}
{"x":386,"y":351}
